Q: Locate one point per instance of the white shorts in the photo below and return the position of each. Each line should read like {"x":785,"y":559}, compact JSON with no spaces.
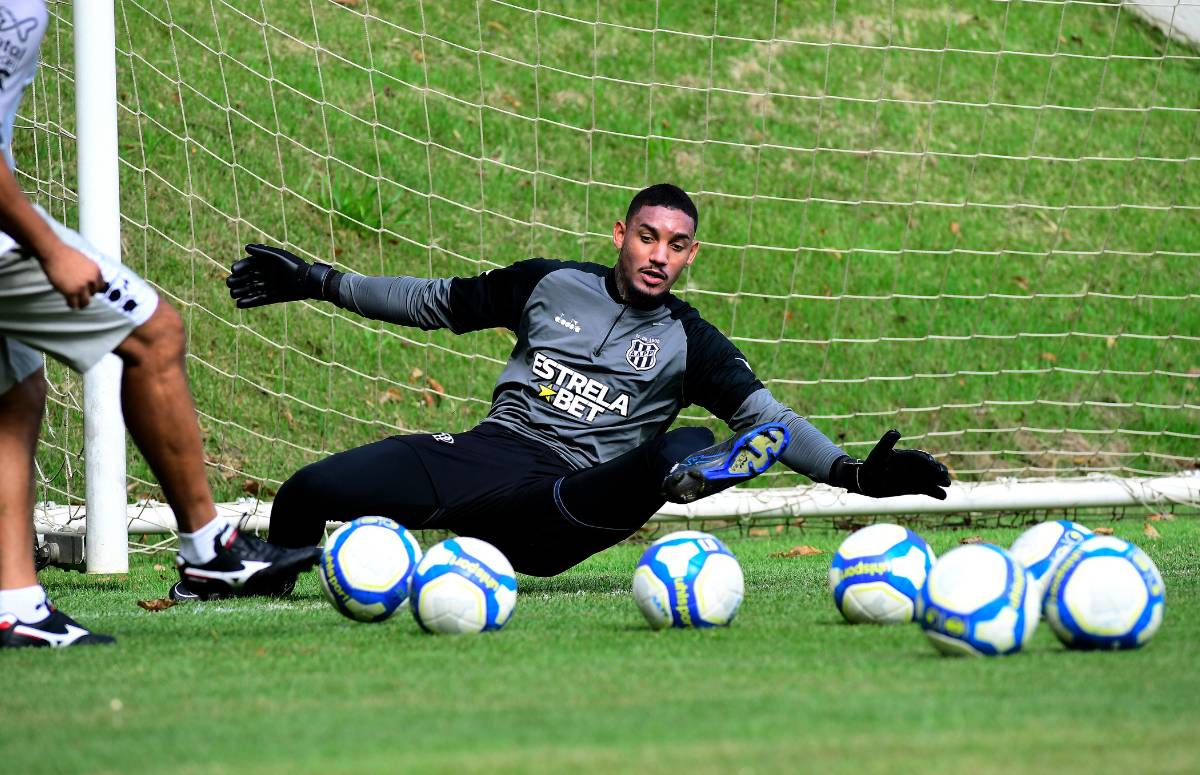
{"x":35,"y":318}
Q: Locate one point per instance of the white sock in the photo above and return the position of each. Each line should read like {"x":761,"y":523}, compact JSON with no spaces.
{"x":200,"y":547}
{"x":28,"y":603}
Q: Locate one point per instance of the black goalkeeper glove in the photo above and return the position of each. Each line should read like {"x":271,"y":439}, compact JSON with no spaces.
{"x":270,"y":275}
{"x":888,"y":471}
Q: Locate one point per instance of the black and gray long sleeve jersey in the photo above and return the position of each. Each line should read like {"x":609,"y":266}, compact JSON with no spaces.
{"x":591,"y":377}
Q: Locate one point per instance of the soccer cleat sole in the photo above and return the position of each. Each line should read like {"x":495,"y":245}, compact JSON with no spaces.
{"x":280,"y":586}
{"x":709,"y":472}
{"x":181,"y":594}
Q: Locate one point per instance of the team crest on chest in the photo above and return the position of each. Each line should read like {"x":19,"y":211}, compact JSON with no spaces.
{"x":643,"y":352}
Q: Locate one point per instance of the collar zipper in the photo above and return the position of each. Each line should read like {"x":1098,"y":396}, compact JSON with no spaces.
{"x":617,"y":319}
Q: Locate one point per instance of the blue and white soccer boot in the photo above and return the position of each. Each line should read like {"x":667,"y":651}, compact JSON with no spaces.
{"x":738,"y":459}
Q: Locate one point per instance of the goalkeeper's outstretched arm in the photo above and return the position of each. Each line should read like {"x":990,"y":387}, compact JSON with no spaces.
{"x":270,"y":275}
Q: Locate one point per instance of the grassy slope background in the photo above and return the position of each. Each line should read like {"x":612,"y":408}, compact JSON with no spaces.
{"x":974,"y":221}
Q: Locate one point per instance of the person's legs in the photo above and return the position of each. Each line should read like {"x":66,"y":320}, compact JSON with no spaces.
{"x":624,"y":492}
{"x":20,"y":418}
{"x":161,"y":417}
{"x":27,"y":618}
{"x":127,"y":318}
{"x":567,"y":520}
{"x":561,"y":521}
{"x":383,"y":479}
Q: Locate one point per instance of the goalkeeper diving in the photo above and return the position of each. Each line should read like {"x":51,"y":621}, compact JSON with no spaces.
{"x":576,"y":453}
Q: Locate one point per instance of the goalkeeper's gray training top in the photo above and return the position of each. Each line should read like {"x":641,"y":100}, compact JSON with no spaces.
{"x":591,"y":377}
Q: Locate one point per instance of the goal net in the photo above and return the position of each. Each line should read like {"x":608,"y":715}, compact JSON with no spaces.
{"x":977,"y":222}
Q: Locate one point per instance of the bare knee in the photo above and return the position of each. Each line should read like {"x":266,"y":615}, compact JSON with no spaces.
{"x":160,"y":340}
{"x":23,"y":403}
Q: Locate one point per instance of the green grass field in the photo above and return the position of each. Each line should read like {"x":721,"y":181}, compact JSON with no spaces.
{"x":976,"y":221}
{"x":578,"y":681}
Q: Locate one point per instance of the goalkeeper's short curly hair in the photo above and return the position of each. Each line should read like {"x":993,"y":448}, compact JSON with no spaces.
{"x":664,"y":195}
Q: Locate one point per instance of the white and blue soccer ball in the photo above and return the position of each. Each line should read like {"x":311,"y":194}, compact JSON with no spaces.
{"x":978,"y":600}
{"x":463,"y":585}
{"x":878,"y":572}
{"x":688,"y":579}
{"x":1105,"y":594}
{"x":366,"y":566}
{"x":1042,"y":547}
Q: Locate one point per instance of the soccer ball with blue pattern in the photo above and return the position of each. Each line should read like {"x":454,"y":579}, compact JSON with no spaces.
{"x":688,"y":579}
{"x":1105,"y":594}
{"x":878,"y":572}
{"x":463,"y":585}
{"x":1042,"y":547}
{"x":366,"y":566}
{"x":978,"y":600}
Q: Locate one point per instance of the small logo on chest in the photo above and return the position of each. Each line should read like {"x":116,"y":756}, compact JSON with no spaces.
{"x":643,"y":352}
{"x":569,"y":323}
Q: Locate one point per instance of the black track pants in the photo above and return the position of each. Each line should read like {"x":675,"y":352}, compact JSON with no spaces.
{"x":488,"y":483}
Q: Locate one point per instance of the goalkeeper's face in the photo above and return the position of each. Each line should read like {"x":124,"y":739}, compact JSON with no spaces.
{"x":655,"y":246}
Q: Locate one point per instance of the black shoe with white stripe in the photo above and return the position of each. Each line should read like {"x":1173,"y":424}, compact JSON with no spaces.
{"x":55,"y":631}
{"x":244,"y":565}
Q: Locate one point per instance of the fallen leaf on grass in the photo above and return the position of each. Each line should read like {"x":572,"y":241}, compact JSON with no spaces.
{"x":759,"y":531}
{"x":1151,"y":532}
{"x":159,"y":604}
{"x":971,"y":540}
{"x":1161,"y":518}
{"x":159,"y":567}
{"x":391,"y":394}
{"x":803,"y":550}
{"x":1103,"y":531}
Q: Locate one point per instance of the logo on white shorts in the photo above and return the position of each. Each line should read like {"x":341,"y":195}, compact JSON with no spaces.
{"x":445,"y":438}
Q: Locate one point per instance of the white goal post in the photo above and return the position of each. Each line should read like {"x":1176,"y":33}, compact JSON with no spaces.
{"x":100,"y":223}
{"x":977,"y":225}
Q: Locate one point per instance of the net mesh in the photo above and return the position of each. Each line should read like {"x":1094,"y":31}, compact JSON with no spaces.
{"x":974,"y":221}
